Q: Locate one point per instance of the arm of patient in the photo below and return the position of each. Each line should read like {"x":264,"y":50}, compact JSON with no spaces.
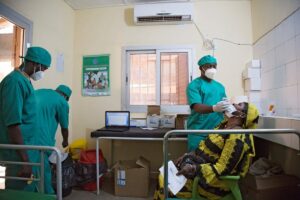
{"x":230,"y":156}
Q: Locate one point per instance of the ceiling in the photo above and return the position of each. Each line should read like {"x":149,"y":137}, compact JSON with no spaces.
{"x":85,"y":4}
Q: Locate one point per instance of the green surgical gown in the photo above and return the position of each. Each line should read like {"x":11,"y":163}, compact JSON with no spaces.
{"x":208,"y":93}
{"x":52,"y":109}
{"x":17,"y":106}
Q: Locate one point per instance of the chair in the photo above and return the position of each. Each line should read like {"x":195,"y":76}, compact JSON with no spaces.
{"x":231,"y":181}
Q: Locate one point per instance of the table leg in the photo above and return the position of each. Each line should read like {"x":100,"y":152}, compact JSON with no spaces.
{"x":97,"y":165}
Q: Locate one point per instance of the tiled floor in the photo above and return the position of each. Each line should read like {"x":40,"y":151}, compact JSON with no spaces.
{"x":107,"y":193}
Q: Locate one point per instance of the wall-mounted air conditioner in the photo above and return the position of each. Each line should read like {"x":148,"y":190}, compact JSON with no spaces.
{"x":163,"y":13}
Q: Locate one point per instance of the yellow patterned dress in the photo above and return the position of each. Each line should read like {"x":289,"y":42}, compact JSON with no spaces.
{"x":224,"y":155}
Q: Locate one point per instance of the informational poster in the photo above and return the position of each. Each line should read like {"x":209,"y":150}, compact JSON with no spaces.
{"x":95,"y":72}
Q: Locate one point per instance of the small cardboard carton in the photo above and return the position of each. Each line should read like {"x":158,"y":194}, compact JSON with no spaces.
{"x":132,"y":178}
{"x":153,"y":121}
{"x":251,"y":73}
{"x":181,"y":121}
{"x":252,"y":84}
{"x":167,"y":121}
{"x":253,"y":64}
{"x":153,"y":110}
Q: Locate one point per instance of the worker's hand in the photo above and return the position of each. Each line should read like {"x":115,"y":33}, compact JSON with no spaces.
{"x":65,"y":143}
{"x":188,"y":170}
{"x":221,"y":106}
{"x":25,"y":171}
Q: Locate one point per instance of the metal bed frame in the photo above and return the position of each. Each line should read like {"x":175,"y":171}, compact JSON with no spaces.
{"x":222,"y":132}
{"x":40,"y":164}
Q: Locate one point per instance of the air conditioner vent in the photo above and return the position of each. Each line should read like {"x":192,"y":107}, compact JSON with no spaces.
{"x":164,"y":18}
{"x":173,"y":13}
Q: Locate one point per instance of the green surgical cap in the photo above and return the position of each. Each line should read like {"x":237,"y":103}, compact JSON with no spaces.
{"x":65,"y":90}
{"x":38,"y":55}
{"x":207,"y":60}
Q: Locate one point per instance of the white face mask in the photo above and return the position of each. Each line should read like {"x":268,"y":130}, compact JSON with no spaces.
{"x":210,"y":73}
{"x":37,"y":75}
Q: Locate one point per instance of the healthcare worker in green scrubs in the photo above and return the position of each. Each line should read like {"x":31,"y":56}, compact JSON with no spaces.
{"x":18,"y":115}
{"x":206,"y":99}
{"x":52,"y":109}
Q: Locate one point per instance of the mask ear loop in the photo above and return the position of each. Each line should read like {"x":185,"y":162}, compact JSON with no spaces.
{"x":40,"y":67}
{"x":34,"y":70}
{"x":202,"y":69}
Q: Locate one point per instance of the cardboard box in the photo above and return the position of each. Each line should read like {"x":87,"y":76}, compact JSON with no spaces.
{"x":253,"y":84}
{"x":167,"y":121}
{"x":153,"y":110}
{"x":181,"y":121}
{"x":251,"y":73}
{"x":275,"y":187}
{"x":153,"y":121}
{"x":253,"y":64}
{"x":132,"y":178}
{"x":254,"y":96}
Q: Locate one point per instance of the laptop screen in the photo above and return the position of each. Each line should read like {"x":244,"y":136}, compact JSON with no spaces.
{"x":117,"y":119}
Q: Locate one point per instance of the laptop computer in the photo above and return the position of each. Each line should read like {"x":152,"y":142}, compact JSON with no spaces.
{"x":116,"y":121}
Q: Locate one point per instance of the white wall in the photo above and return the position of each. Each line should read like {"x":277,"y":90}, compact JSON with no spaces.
{"x":266,"y":14}
{"x":276,"y":33}
{"x":279,"y":52}
{"x":53,"y":29}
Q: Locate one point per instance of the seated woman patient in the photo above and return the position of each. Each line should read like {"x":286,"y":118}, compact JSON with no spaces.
{"x":218,"y":155}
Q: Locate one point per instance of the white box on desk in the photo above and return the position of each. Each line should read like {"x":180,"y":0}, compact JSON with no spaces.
{"x":167,"y":121}
{"x":253,"y":64}
{"x":251,"y":73}
{"x":153,"y":121}
{"x":253,"y":84}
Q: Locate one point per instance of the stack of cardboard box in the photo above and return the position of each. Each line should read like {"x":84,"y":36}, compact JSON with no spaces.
{"x":252,"y":82}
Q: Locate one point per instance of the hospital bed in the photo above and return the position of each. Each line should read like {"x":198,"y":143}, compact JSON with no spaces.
{"x":14,"y":194}
{"x":172,"y":133}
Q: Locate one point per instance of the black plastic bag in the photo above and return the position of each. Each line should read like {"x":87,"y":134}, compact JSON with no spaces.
{"x":68,"y":176}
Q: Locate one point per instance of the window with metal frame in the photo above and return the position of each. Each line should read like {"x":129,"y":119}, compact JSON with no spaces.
{"x":157,"y":77}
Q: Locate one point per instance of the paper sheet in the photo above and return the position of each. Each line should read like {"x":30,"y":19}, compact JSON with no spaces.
{"x":175,"y":182}
{"x":146,"y":128}
{"x":60,"y":62}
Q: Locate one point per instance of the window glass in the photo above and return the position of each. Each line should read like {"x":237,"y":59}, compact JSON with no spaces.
{"x":174,"y":78}
{"x":142,"y":79}
{"x":156,"y":77}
